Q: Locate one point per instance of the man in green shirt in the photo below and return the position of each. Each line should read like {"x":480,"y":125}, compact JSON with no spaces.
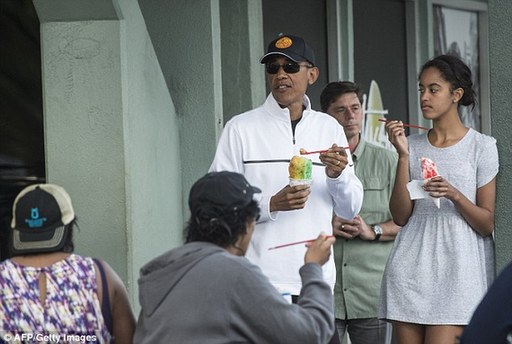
{"x":364,"y":242}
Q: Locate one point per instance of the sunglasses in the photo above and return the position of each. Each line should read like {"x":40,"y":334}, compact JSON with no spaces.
{"x":288,"y":67}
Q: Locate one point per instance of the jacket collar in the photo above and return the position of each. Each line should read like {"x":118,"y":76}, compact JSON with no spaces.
{"x":283,"y":114}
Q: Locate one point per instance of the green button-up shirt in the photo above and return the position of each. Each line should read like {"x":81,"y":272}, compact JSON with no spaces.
{"x":360,"y":264}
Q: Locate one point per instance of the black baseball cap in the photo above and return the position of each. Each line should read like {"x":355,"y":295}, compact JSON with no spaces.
{"x":290,"y":46}
{"x":226,"y":190}
{"x":39,"y":217}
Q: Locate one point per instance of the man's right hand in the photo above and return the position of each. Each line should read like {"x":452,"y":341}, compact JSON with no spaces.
{"x":319,"y":250}
{"x":290,"y":198}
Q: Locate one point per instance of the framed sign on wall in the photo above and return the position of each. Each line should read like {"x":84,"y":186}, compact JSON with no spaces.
{"x":460,"y":29}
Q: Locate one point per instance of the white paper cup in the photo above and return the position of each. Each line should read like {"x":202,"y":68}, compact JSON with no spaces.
{"x":294,"y":182}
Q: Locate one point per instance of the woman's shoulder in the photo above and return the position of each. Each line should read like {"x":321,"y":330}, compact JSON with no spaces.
{"x":6,"y":264}
{"x":481,"y":138}
{"x":84,"y":262}
{"x":8,"y":270}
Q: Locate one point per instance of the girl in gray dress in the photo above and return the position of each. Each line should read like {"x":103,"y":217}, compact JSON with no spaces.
{"x":442,"y":260}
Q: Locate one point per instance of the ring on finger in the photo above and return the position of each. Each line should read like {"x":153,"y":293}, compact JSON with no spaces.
{"x":342,"y":227}
{"x":338,"y":162}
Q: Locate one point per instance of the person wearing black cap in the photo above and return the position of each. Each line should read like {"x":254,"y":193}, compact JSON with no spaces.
{"x":206,"y":291}
{"x":260,"y":143}
{"x":46,"y":290}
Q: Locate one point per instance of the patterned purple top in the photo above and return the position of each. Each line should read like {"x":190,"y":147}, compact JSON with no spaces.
{"x":71,"y":310}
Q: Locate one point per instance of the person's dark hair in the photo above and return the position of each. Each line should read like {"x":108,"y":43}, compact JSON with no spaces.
{"x":69,"y":246}
{"x":455,"y":72}
{"x":333,"y":90}
{"x":220,"y":226}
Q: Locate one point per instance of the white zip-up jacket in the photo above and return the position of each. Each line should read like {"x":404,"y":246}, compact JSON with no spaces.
{"x":259,"y":144}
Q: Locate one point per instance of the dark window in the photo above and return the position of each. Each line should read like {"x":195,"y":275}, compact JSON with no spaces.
{"x":21,"y":114}
{"x":306,"y":19}
{"x":380,"y":52}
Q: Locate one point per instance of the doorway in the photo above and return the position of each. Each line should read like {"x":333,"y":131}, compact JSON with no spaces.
{"x":22,"y":160}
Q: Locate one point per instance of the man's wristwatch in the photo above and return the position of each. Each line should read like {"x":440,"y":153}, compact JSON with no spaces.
{"x":377,"y":229}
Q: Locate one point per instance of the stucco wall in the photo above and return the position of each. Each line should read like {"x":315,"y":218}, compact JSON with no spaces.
{"x":83,"y":123}
{"x":186,"y":37}
{"x":112,"y":135}
{"x":153,"y":178}
{"x":500,"y":33}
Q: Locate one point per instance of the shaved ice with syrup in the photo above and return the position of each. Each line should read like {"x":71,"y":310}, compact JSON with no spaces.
{"x":300,"y":170}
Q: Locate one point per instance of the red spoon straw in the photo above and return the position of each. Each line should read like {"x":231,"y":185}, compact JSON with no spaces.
{"x":297,"y":243}
{"x":304,"y":152}
{"x":404,"y":124}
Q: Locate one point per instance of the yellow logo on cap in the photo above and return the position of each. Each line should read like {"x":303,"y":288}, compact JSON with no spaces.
{"x":284,"y":42}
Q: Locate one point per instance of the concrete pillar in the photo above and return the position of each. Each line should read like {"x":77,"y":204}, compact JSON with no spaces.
{"x":500,"y":50}
{"x":111,"y":132}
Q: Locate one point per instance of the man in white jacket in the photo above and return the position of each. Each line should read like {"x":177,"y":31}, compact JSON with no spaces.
{"x":260,"y":143}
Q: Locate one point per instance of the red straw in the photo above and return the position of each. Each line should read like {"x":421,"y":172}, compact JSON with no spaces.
{"x":297,"y":243}
{"x":404,"y":124}
{"x":302,"y":151}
